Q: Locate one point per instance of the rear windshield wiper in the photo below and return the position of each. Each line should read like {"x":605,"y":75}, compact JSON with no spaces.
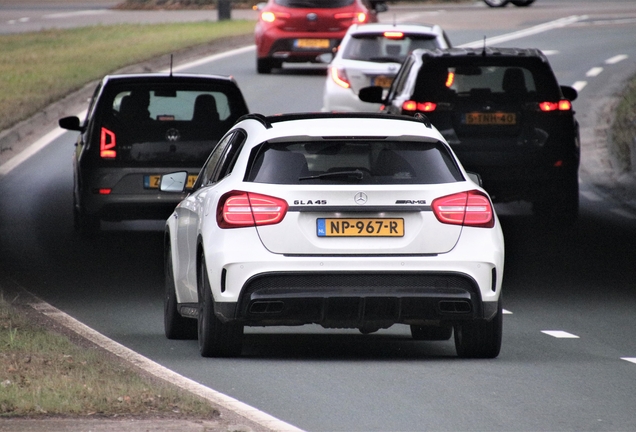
{"x":357,"y":174}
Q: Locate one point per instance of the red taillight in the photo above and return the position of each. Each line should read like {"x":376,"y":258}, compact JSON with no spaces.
{"x":107,"y":144}
{"x":240,"y":209}
{"x":339,"y":76}
{"x":356,"y":17}
{"x":411,"y":105}
{"x":562,"y":105}
{"x":471,"y":208}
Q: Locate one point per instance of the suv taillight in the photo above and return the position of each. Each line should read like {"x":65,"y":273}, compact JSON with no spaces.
{"x":238,"y":209}
{"x":412,"y":106}
{"x":472,"y":208}
{"x":562,"y":105}
{"x":107,"y":144}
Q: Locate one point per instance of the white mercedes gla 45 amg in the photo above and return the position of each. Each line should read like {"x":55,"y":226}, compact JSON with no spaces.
{"x":344,"y":220}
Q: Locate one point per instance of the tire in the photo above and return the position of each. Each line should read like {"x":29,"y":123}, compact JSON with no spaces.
{"x":431,"y":333}
{"x":480,"y":339}
{"x":522,"y":3}
{"x":216,"y":338}
{"x":496,"y":3}
{"x":175,"y":326}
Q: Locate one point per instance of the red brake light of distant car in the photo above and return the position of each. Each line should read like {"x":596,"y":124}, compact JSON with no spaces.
{"x":394,"y":35}
{"x":356,"y":17}
{"x":238,"y":209}
{"x":412,"y":106}
{"x":472,"y":208}
{"x":562,"y":105}
{"x":339,"y":76}
{"x":107,"y":144}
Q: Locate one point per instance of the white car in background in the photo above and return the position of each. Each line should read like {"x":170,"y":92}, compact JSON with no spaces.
{"x":371,"y":55}
{"x":349,"y":220}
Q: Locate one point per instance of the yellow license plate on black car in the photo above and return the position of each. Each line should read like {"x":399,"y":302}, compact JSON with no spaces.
{"x":496,"y":118}
{"x":363,"y":227}
{"x":153,"y":181}
{"x":312,"y":43}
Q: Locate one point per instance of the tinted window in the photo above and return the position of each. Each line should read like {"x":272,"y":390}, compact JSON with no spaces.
{"x":377,"y":48}
{"x":314,"y":3}
{"x":353,"y":162}
{"x":480,"y":79}
{"x":169,"y":124}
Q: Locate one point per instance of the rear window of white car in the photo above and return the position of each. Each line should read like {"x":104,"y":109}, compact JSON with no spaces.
{"x":386,"y":46}
{"x":353,"y":162}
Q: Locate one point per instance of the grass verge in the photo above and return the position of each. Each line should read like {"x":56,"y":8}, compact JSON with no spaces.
{"x":39,"y":68}
{"x":43,"y":372}
{"x":623,"y":131}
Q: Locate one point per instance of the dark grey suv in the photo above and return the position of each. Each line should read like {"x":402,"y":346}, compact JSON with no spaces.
{"x":505,"y":116}
{"x":139,"y":127}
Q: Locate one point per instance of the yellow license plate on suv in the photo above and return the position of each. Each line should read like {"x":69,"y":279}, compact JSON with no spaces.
{"x":497,"y":118}
{"x":153,"y":181}
{"x":312,"y":43}
{"x":354,"y":227}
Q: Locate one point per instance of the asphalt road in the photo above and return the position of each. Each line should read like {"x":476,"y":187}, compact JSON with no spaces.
{"x":568,"y":361}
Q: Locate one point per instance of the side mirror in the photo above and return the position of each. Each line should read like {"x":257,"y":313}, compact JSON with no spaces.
{"x":371,"y":94}
{"x":379,"y":6}
{"x":174,"y":182}
{"x":476,"y":178}
{"x":325,"y":58}
{"x":569,"y":93}
{"x":70,"y":123}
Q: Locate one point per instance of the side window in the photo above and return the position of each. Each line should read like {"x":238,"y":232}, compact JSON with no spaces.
{"x":228,"y":158}
{"x":400,"y":80}
{"x":207,"y":172}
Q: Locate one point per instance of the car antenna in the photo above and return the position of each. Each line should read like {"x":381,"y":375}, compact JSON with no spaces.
{"x":170,"y":65}
{"x":483,"y":53}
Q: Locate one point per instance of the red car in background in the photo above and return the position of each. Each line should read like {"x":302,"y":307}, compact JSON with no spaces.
{"x":302,"y":30}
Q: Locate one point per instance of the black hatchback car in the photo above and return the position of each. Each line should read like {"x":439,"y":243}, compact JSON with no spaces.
{"x":505,"y":116}
{"x":138,"y":127}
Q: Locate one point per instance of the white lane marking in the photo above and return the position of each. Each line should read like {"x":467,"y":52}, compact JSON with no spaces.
{"x":212,"y":58}
{"x":623,"y":213}
{"x":506,"y":312}
{"x":579,"y":85}
{"x":616,"y":59}
{"x":562,"y":22}
{"x":591,"y":196}
{"x":21,"y":20}
{"x":162,"y":372}
{"x":38,"y":145}
{"x":560,"y":334}
{"x":629,"y":359}
{"x":595,"y":71}
{"x":76,"y":13}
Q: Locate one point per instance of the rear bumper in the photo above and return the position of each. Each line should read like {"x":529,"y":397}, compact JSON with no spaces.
{"x":278,"y":44}
{"x":118,"y":207}
{"x":358,"y":300}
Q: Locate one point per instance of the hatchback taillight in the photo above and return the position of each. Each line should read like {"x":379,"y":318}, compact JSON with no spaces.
{"x":339,"y":76}
{"x":355,"y":17}
{"x":238,"y":209}
{"x":472,"y":208}
{"x":107,"y":144}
